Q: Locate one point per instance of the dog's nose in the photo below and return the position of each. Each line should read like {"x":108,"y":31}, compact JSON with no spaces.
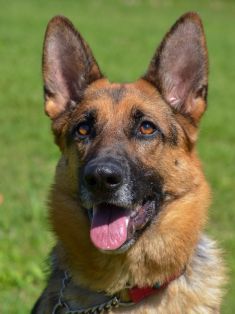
{"x":103,"y":176}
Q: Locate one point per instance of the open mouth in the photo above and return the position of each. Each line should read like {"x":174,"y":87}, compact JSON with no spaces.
{"x":113,"y":226}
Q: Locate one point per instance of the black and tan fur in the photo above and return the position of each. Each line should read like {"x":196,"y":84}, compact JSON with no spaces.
{"x":161,"y":169}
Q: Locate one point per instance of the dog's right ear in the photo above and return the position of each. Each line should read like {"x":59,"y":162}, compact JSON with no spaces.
{"x":68,"y":66}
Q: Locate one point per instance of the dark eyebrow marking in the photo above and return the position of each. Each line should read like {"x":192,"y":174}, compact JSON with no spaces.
{"x":90,"y":115}
{"x":137,"y":114}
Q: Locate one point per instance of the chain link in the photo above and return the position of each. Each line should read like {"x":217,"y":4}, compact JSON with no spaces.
{"x":96,"y":309}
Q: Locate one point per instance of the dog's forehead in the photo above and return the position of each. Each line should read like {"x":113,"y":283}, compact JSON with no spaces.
{"x":120,"y":99}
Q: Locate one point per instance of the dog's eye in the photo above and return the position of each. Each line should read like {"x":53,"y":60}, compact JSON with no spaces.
{"x":147,"y":128}
{"x":83,"y":129}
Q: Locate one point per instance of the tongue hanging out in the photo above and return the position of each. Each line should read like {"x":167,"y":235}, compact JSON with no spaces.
{"x":109,"y":226}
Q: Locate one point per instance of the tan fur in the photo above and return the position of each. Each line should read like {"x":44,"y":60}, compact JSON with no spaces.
{"x":174,"y":240}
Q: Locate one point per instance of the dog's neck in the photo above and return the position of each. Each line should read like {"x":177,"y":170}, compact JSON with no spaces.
{"x":126,"y":298}
{"x":195,"y":281}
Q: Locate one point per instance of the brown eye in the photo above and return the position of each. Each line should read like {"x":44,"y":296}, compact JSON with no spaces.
{"x":83,"y":129}
{"x":147,"y":128}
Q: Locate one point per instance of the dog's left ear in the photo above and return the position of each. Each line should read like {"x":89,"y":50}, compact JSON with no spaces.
{"x":68,"y":66}
{"x":179,"y":68}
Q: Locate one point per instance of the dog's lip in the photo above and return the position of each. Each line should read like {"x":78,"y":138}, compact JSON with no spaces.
{"x":142,"y":214}
{"x":92,"y":207}
{"x":132,"y":209}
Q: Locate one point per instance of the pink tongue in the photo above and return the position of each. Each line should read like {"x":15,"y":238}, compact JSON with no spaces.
{"x":109,"y":227}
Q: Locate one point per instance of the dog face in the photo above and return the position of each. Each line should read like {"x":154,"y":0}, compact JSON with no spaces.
{"x":129,"y":175}
{"x":115,"y":135}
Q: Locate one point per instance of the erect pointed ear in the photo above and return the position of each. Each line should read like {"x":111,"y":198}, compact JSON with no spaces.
{"x":68,"y":66}
{"x":179,"y":68}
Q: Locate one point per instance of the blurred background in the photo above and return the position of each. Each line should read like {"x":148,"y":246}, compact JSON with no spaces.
{"x":123,"y":35}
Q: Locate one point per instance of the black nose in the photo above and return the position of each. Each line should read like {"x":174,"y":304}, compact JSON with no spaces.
{"x":103,"y":176}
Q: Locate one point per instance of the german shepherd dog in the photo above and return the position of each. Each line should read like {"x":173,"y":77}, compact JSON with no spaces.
{"x":130,"y":200}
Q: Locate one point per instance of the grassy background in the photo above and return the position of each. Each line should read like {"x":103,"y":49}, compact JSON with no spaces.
{"x":123,"y":36}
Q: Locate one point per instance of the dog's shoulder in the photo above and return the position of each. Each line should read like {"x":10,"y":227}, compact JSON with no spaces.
{"x":200,"y":288}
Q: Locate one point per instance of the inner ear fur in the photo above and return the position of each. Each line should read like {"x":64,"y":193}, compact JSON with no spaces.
{"x":68,"y":66}
{"x":179,"y":68}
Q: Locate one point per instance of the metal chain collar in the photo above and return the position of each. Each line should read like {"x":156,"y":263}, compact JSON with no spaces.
{"x":96,"y":309}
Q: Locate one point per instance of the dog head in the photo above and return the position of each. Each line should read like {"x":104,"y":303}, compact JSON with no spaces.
{"x":129,"y":176}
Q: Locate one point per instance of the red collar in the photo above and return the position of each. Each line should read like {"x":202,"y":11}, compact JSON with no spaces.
{"x":138,"y":294}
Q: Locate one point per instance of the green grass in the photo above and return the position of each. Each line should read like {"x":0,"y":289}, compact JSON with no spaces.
{"x":123,"y":35}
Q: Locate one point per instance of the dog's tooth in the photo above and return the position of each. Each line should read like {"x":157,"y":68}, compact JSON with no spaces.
{"x":134,"y":213}
{"x":94,"y":210}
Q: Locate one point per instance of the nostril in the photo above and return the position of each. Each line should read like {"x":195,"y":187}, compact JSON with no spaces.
{"x":113,"y":179}
{"x":91,"y":180}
